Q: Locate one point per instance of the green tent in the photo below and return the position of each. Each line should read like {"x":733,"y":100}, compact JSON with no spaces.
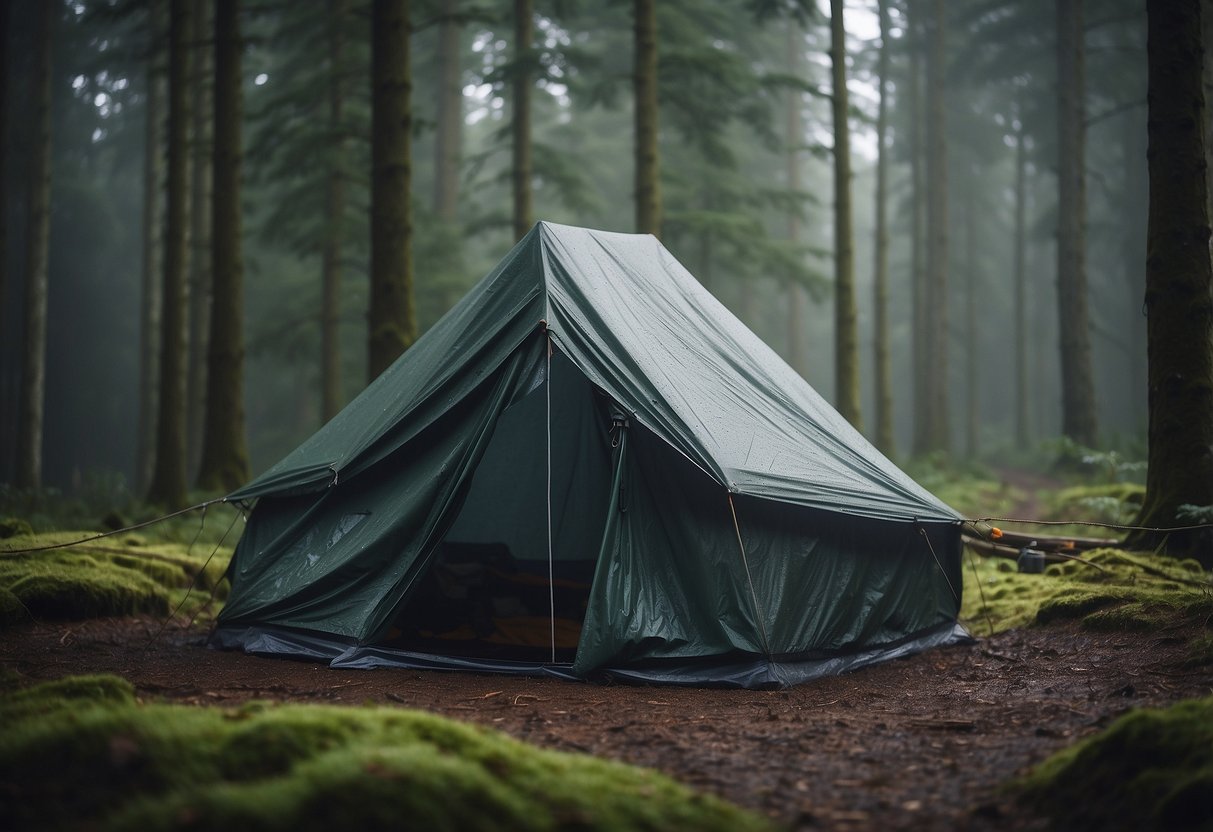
{"x":590,"y":468}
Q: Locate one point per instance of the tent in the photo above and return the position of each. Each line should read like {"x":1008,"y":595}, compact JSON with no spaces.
{"x":590,"y":468}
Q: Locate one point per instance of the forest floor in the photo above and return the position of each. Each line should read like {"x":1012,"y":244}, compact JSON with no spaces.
{"x":926,"y":742}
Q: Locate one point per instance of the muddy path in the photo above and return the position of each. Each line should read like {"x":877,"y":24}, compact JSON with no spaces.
{"x":919,"y":743}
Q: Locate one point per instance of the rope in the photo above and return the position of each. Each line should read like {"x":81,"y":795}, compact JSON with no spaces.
{"x":1120,"y":526}
{"x":762,"y":627}
{"x":194,"y":582}
{"x":551,"y":570}
{"x":13,"y":552}
{"x":943,"y":571}
{"x":982,"y":591}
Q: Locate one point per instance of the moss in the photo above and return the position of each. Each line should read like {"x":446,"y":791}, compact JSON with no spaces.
{"x":1134,"y":617}
{"x":14,"y":527}
{"x":1150,"y":770}
{"x":1200,"y":652}
{"x":1115,"y":502}
{"x":1121,"y":591}
{"x":1073,"y":604}
{"x":12,"y":611}
{"x":110,"y":763}
{"x":105,"y":578}
{"x":102,"y":688}
{"x":93,"y":594}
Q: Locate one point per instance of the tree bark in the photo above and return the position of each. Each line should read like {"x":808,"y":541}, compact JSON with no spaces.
{"x":392,"y":319}
{"x":448,"y":135}
{"x":1077,"y":379}
{"x":33,"y":365}
{"x":846,"y":339}
{"x":168,"y":487}
{"x":1179,"y":284}
{"x":880,"y":283}
{"x":920,"y":375}
{"x":1206,"y":11}
{"x":225,"y":463}
{"x":1134,"y":217}
{"x":521,"y":124}
{"x":334,"y":223}
{"x":1022,"y":395}
{"x":972,"y":416}
{"x":150,"y":300}
{"x":7,"y":417}
{"x":936,"y":295}
{"x":199,"y":297}
{"x":793,"y":140}
{"x":648,"y":177}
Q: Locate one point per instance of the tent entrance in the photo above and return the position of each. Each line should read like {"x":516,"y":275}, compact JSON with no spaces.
{"x":495,"y":589}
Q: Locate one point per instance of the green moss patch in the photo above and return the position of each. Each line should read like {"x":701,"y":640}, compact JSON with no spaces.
{"x":1152,"y":769}
{"x":1115,"y":502}
{"x":1124,"y":591}
{"x":104,"y":578}
{"x":83,"y":752}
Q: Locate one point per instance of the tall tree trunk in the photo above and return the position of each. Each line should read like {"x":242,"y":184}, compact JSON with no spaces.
{"x":846,"y":339}
{"x":168,"y":486}
{"x":150,"y":300}
{"x":448,"y":132}
{"x":1022,"y":393}
{"x":793,"y":140}
{"x":524,"y":212}
{"x":199,"y":295}
{"x":1206,"y":11}
{"x":1179,"y":284}
{"x":7,"y":434}
{"x":880,"y":283}
{"x":937,"y":235}
{"x":33,"y":370}
{"x":1134,"y":210}
{"x":225,"y":463}
{"x":644,"y":79}
{"x":334,"y":223}
{"x":921,"y":368}
{"x":392,"y":319}
{"x":972,"y":416}
{"x":1077,"y":379}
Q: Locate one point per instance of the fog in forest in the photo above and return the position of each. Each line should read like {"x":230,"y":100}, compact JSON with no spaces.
{"x":746,"y":182}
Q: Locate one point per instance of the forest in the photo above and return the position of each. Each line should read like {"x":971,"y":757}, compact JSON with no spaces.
{"x":979,"y":229}
{"x":920,"y":280}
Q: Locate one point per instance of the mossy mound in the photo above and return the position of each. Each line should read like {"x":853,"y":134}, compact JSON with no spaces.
{"x":1152,"y":769}
{"x":94,"y":580}
{"x":14,"y":527}
{"x":12,"y":611}
{"x":1123,"y":591}
{"x":113,"y":764}
{"x":1115,"y":502}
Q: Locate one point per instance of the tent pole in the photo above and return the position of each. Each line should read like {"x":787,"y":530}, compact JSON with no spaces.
{"x":551,"y":571}
{"x":762,"y":627}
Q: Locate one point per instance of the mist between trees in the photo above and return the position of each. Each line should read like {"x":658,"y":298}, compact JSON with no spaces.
{"x":916,"y":284}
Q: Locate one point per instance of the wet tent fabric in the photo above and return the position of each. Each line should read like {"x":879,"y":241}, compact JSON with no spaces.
{"x":748,"y":529}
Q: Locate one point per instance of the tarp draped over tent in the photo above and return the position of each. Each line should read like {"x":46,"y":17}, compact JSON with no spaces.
{"x":736,"y":528}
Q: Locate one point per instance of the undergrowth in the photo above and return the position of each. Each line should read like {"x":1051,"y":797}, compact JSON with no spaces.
{"x":1152,"y":769}
{"x":84,"y":752}
{"x":1122,"y":591}
{"x":123,"y":575}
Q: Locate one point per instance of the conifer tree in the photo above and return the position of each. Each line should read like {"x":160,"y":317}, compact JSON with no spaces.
{"x":225,"y":463}
{"x":392,"y":319}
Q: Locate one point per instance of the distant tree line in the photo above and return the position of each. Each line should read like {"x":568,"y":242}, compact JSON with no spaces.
{"x":364,"y":161}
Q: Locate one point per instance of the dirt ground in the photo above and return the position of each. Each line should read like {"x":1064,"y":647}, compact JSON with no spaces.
{"x":918,"y":743}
